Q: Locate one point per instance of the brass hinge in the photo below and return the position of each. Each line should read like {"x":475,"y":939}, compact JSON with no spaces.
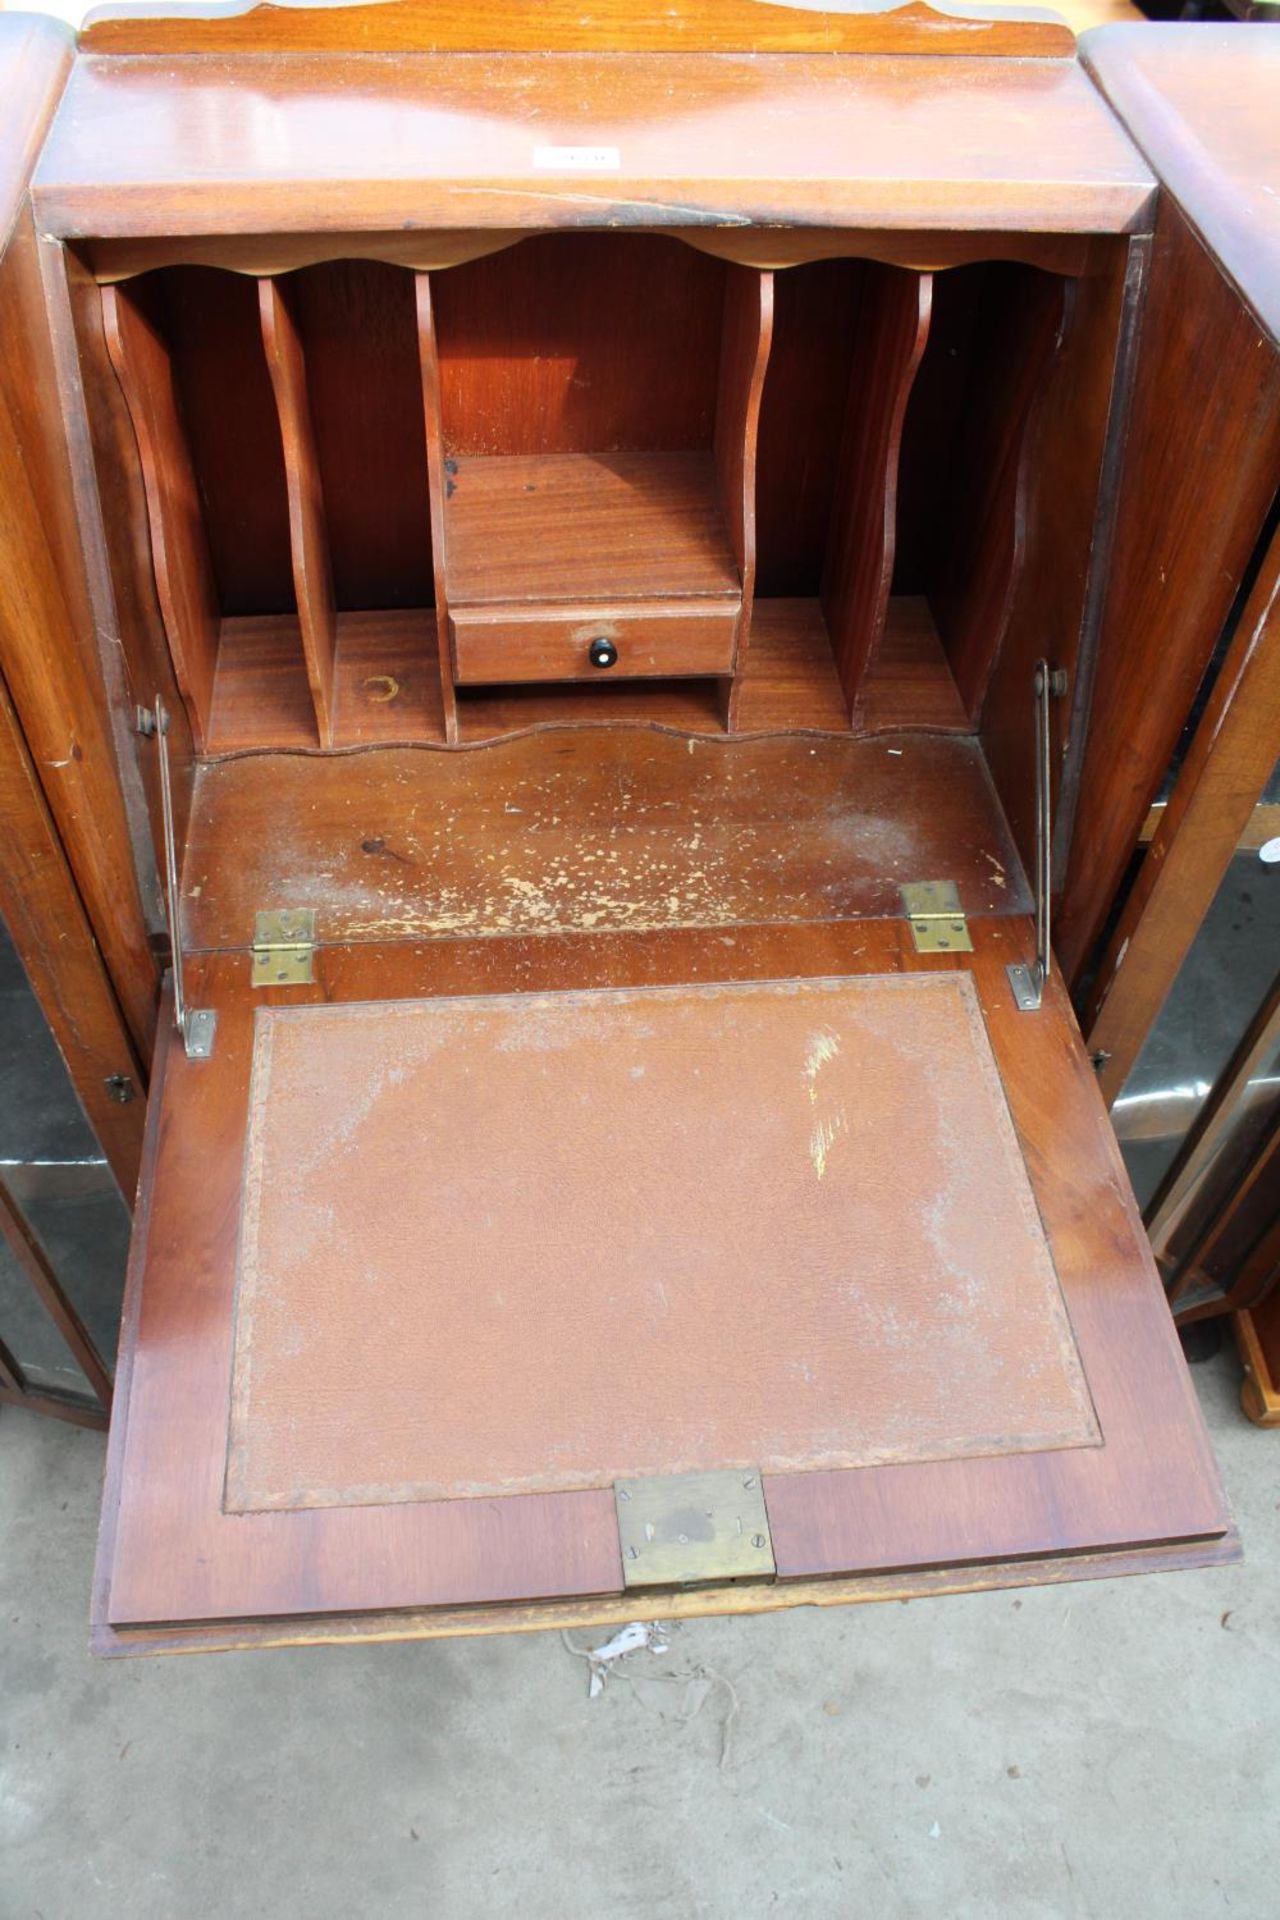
{"x":684,"y":1529}
{"x":284,"y":944}
{"x":937,"y":923}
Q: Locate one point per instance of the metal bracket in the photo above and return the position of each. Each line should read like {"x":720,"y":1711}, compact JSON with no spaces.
{"x":937,"y":923}
{"x":684,"y":1529}
{"x":284,"y":944}
{"x":197,"y":1025}
{"x":1028,"y":982}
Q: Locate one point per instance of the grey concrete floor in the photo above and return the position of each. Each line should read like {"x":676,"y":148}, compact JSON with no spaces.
{"x":1103,"y":1751}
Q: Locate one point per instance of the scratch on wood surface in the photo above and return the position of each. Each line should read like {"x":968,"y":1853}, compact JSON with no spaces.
{"x":823,"y":1138}
{"x":822,"y":1048}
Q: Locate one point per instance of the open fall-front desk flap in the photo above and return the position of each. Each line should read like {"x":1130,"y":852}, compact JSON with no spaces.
{"x":446,"y":1301}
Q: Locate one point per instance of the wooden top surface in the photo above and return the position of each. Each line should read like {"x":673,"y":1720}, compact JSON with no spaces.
{"x":35,"y":53}
{"x":578,"y":26}
{"x":1202,"y":100}
{"x":322,"y":143}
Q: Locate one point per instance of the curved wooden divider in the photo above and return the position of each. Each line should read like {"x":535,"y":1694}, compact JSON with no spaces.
{"x":892,"y":327}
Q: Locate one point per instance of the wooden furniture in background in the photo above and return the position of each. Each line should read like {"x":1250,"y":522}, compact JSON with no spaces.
{"x":15,"y":1387}
{"x":591,"y":527}
{"x":1200,"y":102}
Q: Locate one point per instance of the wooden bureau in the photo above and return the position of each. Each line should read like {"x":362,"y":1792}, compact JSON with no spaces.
{"x":605,"y":519}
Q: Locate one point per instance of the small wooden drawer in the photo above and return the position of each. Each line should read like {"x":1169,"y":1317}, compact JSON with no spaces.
{"x":494,"y":644}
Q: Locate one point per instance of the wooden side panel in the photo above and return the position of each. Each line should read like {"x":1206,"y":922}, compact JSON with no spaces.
{"x":309,"y":538}
{"x":1228,"y":764}
{"x":1204,"y":447}
{"x":184,"y":571}
{"x":438,"y":481}
{"x":1021,"y":322}
{"x":48,"y":640}
{"x":744,"y":355}
{"x":109,"y":491}
{"x":891,"y":329}
{"x":1068,"y":517}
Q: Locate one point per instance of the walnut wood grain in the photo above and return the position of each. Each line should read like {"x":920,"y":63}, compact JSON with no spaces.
{"x":911,"y":142}
{"x":891,"y":327}
{"x":177,"y":1556}
{"x":308,"y":528}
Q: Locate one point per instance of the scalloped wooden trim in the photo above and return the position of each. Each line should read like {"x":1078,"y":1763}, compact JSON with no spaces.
{"x":569,"y":26}
{"x":764,"y":248}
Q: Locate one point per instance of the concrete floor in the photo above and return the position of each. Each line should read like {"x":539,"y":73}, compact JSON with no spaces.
{"x":1095,"y":1752}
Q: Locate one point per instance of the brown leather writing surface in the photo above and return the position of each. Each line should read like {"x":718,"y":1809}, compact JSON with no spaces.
{"x":544,"y":1242}
{"x":174,"y":1551}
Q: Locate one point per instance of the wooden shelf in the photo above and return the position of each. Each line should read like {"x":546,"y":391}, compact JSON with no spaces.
{"x":386,"y":682}
{"x":387,"y":688}
{"x":567,"y":527}
{"x":791,"y":679}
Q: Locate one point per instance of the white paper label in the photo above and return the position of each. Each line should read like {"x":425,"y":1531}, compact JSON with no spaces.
{"x":578,"y":159}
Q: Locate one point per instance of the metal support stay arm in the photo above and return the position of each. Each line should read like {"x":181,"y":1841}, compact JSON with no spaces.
{"x":1028,"y":982}
{"x":195,"y":1024}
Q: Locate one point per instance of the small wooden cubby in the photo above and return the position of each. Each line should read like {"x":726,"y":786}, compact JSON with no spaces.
{"x":583,"y":477}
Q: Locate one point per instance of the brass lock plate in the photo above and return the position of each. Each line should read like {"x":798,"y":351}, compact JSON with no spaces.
{"x":685,"y":1529}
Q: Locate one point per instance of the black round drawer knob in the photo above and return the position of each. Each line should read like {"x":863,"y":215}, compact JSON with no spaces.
{"x":602,"y":652}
